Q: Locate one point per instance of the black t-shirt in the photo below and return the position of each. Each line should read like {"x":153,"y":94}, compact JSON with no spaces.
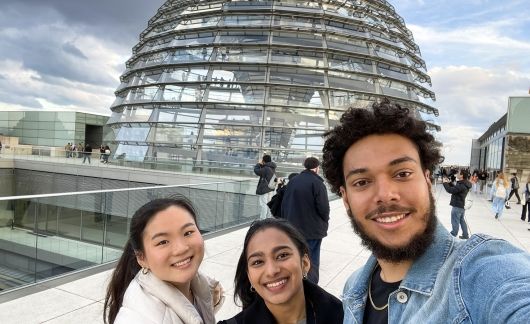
{"x":380,"y":292}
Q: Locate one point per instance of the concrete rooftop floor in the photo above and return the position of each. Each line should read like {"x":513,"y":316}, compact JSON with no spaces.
{"x":81,"y":301}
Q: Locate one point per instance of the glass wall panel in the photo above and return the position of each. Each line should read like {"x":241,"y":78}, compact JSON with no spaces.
{"x":182,"y":93}
{"x":175,"y":134}
{"x":241,"y":54}
{"x":297,"y":39}
{"x":130,"y":152}
{"x":179,"y":115}
{"x":343,"y":100}
{"x":192,"y":39}
{"x":351,"y":81}
{"x":346,"y":44}
{"x":133,"y":134}
{"x":303,"y":97}
{"x":296,"y":22}
{"x":196,"y":54}
{"x":297,"y":76}
{"x":235,"y":93}
{"x":241,"y":74}
{"x":292,"y":117}
{"x":350,"y":64}
{"x":199,"y":22}
{"x":243,"y":37}
{"x":245,"y":20}
{"x":189,"y":74}
{"x":232,"y":116}
{"x":229,"y":135}
{"x":296,"y":57}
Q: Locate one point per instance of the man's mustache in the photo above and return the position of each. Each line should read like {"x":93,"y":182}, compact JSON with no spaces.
{"x":392,"y":208}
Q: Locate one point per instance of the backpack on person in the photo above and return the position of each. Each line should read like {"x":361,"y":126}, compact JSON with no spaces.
{"x":275,"y":205}
{"x":272,"y":182}
{"x":500,"y":192}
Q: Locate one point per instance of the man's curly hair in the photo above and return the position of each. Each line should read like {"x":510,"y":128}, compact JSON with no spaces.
{"x":383,"y":118}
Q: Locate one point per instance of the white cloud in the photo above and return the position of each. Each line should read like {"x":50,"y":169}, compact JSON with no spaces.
{"x":470,"y":99}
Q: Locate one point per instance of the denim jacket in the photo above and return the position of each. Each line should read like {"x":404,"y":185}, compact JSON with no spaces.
{"x":480,"y":280}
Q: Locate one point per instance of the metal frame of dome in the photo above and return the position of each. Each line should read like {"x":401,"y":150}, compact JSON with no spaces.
{"x":230,"y":80}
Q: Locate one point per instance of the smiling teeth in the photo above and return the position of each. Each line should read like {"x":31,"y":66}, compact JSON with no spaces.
{"x":181,"y":263}
{"x":390,"y":219}
{"x":277,"y":283}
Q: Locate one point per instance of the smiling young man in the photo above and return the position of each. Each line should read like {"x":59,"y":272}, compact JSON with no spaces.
{"x":380,"y":161}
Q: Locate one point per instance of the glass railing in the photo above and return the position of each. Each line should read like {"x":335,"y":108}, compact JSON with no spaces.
{"x":176,"y":163}
{"x":43,"y":236}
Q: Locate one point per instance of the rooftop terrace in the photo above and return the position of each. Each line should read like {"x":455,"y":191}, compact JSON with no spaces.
{"x":81,"y":301}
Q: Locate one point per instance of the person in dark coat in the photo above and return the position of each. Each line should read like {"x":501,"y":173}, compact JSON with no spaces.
{"x":275,"y":254}
{"x":458,"y":193}
{"x":265,"y":169}
{"x":305,"y":205}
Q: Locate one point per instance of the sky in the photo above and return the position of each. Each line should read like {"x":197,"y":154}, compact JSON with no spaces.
{"x":68,"y":55}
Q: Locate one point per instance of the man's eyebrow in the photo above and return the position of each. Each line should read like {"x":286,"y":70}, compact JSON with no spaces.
{"x":391,"y":163}
{"x":402,"y":160}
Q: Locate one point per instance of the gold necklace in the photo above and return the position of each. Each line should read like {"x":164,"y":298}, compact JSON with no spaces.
{"x":370,"y":292}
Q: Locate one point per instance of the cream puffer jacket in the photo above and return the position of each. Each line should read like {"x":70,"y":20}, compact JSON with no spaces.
{"x":150,"y":300}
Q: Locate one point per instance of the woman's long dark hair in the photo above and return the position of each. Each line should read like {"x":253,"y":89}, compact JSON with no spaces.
{"x":241,"y":282}
{"x":127,"y":266}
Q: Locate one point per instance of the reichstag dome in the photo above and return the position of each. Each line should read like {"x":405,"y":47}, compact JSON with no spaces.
{"x":230,"y":80}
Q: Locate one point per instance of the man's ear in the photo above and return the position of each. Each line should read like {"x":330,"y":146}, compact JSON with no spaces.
{"x":427,"y":175}
{"x":344,"y":197}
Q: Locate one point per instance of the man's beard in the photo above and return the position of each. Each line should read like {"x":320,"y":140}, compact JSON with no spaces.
{"x":417,"y":245}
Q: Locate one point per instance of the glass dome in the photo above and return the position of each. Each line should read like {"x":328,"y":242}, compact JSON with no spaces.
{"x":231,"y":80}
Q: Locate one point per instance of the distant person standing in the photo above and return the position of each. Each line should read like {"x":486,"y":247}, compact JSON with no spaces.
{"x":526,"y":206}
{"x":265,"y":169}
{"x":458,"y":193}
{"x":306,"y":206}
{"x":482,"y":178}
{"x":0,"y":146}
{"x":500,"y":194}
{"x":515,"y":188}
{"x":67,"y":149}
{"x":87,"y":152}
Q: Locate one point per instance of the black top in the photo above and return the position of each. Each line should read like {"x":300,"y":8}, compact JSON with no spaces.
{"x":321,"y":308}
{"x":380,"y":292}
{"x":458,"y":192}
{"x":305,"y":205}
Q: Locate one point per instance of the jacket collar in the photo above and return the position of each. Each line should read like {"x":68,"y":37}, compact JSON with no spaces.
{"x":420,"y":278}
{"x":313,"y":173}
{"x":175,"y":300}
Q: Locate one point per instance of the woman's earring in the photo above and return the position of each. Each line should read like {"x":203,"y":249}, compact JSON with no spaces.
{"x":252,"y":289}
{"x":305,"y":275}
{"x":145,"y":271}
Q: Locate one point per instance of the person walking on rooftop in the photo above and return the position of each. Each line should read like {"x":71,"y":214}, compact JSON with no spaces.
{"x":266,"y":170}
{"x":87,"y":152}
{"x":458,"y":193}
{"x":515,"y":188}
{"x":305,"y":205}
{"x":526,"y":206}
{"x":500,"y":194}
{"x":482,"y":177}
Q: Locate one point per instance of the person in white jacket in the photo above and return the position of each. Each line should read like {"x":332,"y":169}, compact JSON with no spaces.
{"x":157,"y":278}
